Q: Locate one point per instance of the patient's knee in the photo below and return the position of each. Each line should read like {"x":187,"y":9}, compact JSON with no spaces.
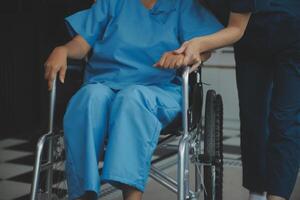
{"x":96,"y":91}
{"x":133,"y":94}
{"x":90,"y":99}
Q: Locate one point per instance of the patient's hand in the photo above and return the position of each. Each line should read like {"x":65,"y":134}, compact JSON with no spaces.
{"x":170,"y":60}
{"x":174,"y":60}
{"x":56,"y":62}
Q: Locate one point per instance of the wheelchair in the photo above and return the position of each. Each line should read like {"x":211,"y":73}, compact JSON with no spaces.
{"x":190,"y":131}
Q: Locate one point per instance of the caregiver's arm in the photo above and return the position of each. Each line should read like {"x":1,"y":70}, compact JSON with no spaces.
{"x":232,"y":33}
{"x":77,"y":48}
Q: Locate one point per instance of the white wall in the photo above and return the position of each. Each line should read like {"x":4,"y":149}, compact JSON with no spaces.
{"x":219,"y":72}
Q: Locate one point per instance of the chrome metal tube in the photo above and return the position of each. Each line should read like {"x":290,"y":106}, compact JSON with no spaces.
{"x":183,"y":150}
{"x":198,"y":182}
{"x":185,"y":77}
{"x":163,"y":182}
{"x":52,"y":107}
{"x":171,"y":139}
{"x":182,"y":172}
{"x":36,"y":170}
{"x":185,"y":100}
{"x":163,"y":175}
{"x":213,"y":169}
{"x":49,"y":179}
{"x":172,"y":147}
{"x":46,"y":166}
{"x":187,"y":168}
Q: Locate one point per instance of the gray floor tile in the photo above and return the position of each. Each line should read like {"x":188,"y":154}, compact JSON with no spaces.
{"x":10,"y":142}
{"x":6,"y":155}
{"x":11,"y":190}
{"x":8,"y":170}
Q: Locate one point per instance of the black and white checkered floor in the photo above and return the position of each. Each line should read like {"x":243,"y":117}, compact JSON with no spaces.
{"x":17,"y":158}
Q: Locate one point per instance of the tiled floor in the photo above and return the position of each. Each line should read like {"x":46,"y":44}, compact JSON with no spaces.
{"x":17,"y":158}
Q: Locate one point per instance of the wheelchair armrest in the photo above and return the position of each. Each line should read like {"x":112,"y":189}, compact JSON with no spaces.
{"x":52,"y":106}
{"x":74,"y":78}
{"x":185,"y":99}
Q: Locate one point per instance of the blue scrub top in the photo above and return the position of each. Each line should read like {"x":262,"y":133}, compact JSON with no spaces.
{"x":127,"y":38}
{"x":222,"y":8}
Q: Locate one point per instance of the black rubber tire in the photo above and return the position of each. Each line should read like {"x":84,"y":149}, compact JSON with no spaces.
{"x":213,"y":145}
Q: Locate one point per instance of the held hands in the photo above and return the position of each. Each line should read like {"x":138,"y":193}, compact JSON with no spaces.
{"x":56,"y":62}
{"x":188,"y":54}
{"x":174,"y":60}
{"x":170,"y":60}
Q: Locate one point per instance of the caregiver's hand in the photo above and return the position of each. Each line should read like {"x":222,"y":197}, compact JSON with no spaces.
{"x":191,"y":51}
{"x":56,"y":62}
{"x":187,"y":58}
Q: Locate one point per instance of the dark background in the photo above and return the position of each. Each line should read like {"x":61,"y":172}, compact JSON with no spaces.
{"x":30,"y":29}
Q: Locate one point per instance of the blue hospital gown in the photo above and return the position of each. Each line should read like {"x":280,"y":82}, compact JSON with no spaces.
{"x":124,"y":97}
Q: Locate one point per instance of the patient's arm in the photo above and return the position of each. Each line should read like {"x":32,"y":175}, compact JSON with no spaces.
{"x":77,"y":48}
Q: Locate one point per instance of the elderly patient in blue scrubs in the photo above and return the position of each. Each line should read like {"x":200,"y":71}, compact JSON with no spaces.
{"x":125,"y":96}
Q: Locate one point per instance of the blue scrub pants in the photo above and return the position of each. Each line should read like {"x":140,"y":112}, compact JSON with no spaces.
{"x":131,"y":118}
{"x":268,"y":80}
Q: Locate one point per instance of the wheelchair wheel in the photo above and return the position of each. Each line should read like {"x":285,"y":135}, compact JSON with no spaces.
{"x":59,"y":183}
{"x":213,"y":147}
{"x":59,"y":187}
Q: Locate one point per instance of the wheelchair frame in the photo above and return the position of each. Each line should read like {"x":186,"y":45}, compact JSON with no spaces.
{"x":181,"y":187}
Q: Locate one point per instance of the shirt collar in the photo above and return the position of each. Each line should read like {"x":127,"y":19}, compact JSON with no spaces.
{"x":163,"y":6}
